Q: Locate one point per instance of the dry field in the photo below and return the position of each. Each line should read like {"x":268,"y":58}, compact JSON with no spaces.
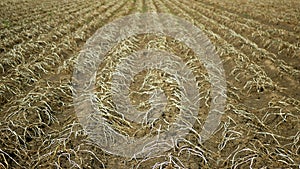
{"x":258,"y":42}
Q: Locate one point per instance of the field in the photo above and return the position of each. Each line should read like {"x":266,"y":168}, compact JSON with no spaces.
{"x":257,"y":41}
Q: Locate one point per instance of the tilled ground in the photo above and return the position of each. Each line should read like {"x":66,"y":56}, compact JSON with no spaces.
{"x":257,"y":41}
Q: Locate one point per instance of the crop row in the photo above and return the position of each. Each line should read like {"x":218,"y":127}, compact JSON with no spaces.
{"x":282,"y":11}
{"x":30,"y":12}
{"x":225,"y":50}
{"x":27,"y":74}
{"x":37,"y":27}
{"x":20,"y":22}
{"x":150,"y":6}
{"x":32,"y":28}
{"x":39,"y":106}
{"x":262,"y":28}
{"x":27,"y":51}
{"x":38,"y":125}
{"x":244,"y":33}
{"x":257,"y":28}
{"x":248,"y":47}
{"x":139,"y":4}
{"x":258,"y":78}
{"x":242,"y":64}
{"x":259,"y":15}
{"x":12,"y":9}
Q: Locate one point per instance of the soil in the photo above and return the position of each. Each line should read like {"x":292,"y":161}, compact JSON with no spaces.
{"x":257,"y":42}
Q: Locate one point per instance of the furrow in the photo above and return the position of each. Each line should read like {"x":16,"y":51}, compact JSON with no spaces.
{"x":258,"y":79}
{"x":30,"y":29}
{"x":247,"y":46}
{"x":27,"y":51}
{"x":283,"y":52}
{"x":22,"y":15}
{"x":64,"y":68}
{"x":287,"y":37}
{"x":45,"y":64}
{"x":259,"y":16}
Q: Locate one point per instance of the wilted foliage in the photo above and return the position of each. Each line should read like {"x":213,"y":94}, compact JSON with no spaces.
{"x":257,"y":41}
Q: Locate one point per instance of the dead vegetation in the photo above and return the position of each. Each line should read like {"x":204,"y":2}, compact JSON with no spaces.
{"x":257,"y":41}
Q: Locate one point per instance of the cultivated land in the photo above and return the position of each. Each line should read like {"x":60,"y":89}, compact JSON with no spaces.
{"x":258,"y":42}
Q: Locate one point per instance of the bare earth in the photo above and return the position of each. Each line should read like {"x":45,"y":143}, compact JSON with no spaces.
{"x":257,"y":41}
